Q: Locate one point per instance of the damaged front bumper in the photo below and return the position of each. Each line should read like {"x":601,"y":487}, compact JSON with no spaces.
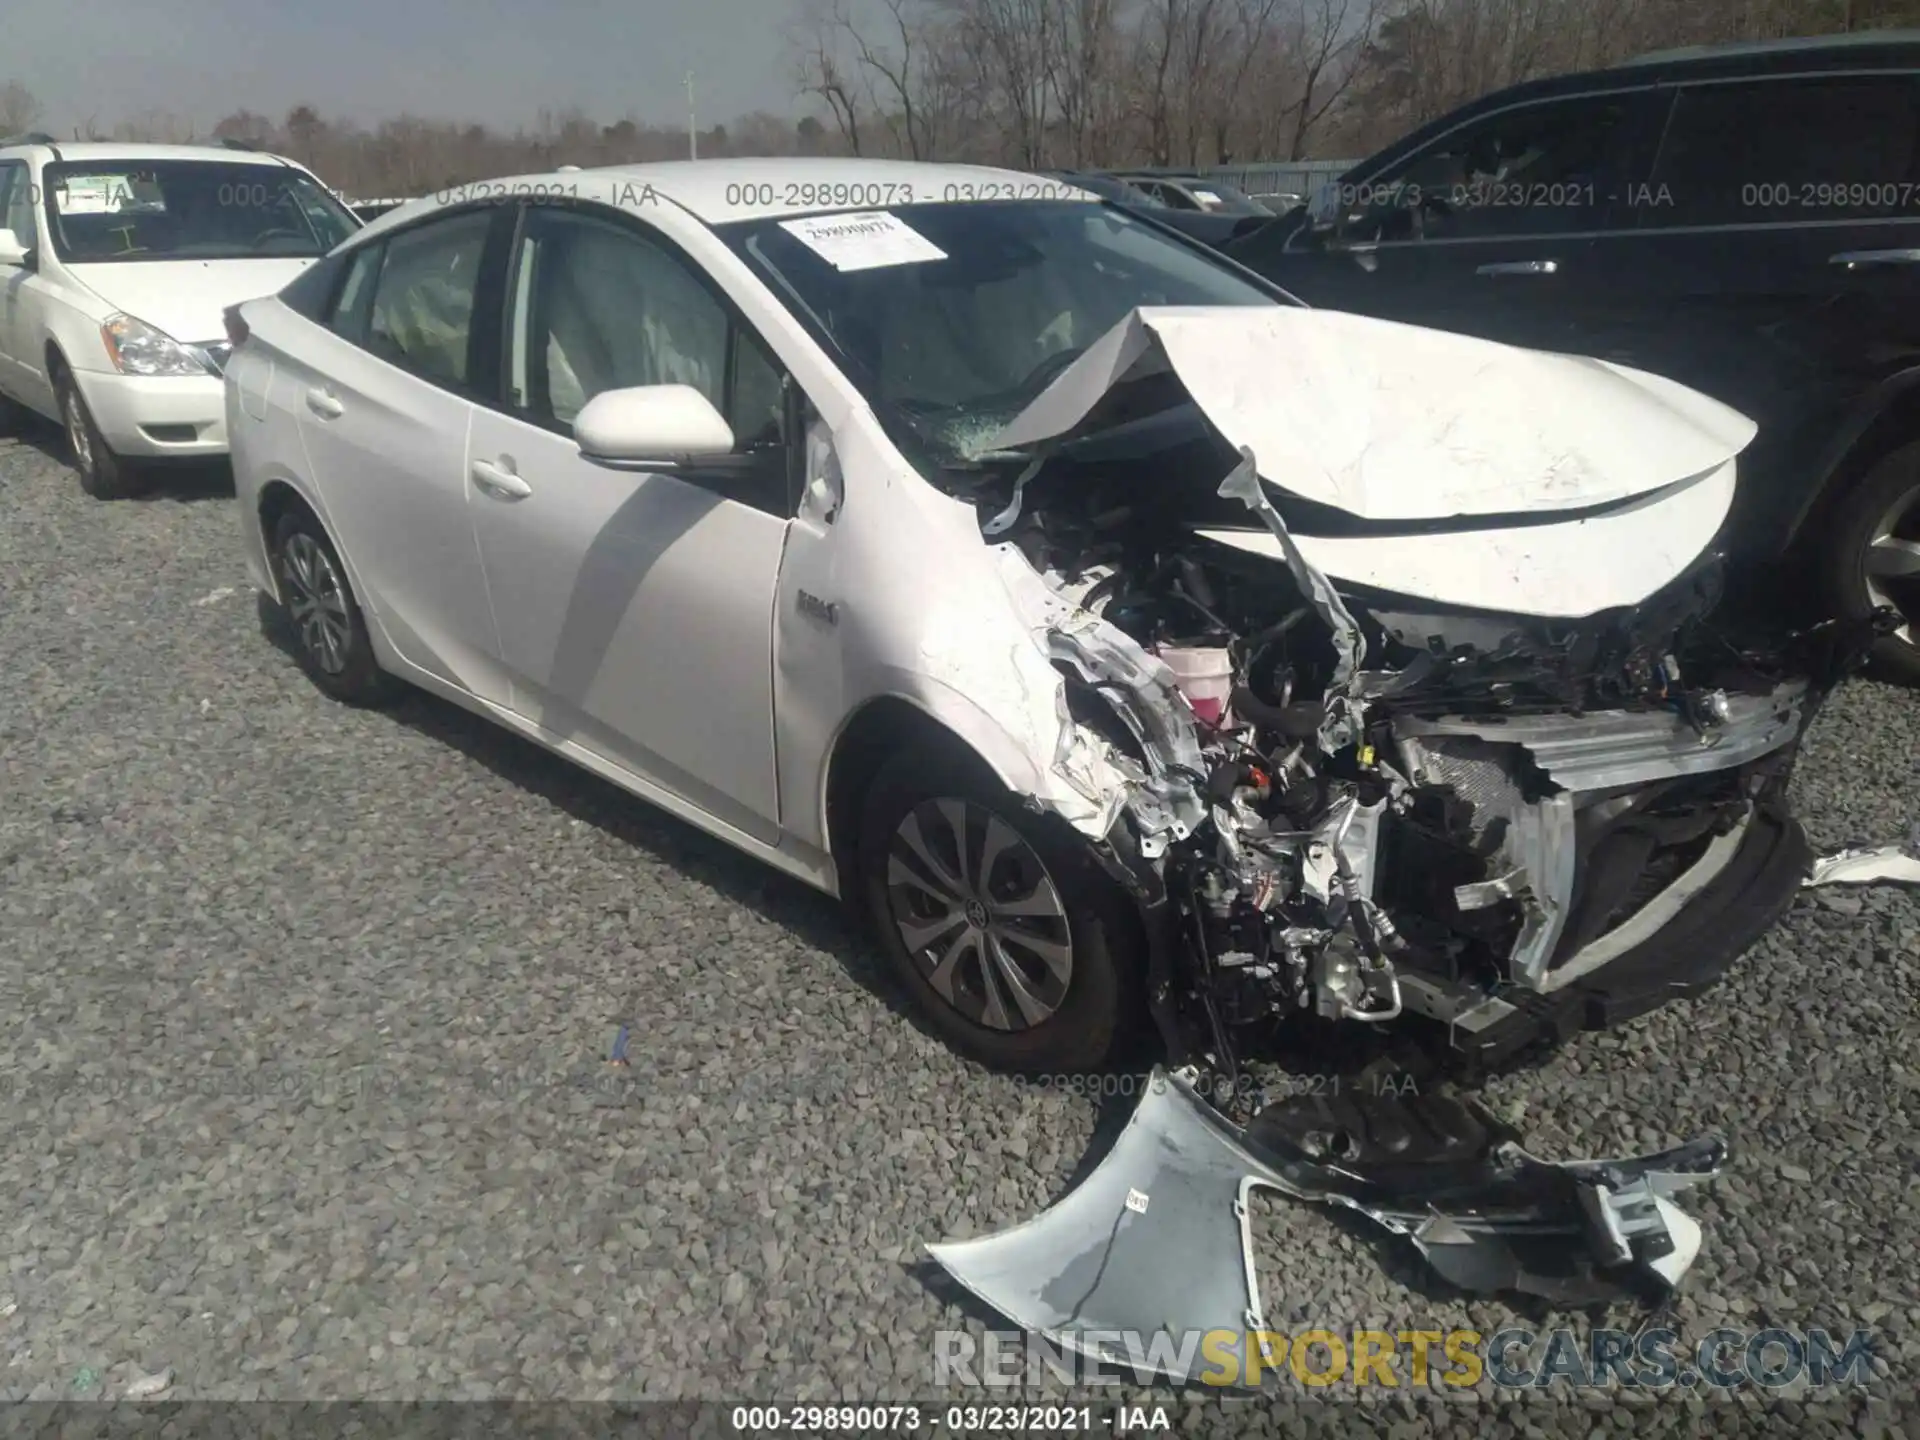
{"x":1657,"y":853}
{"x":1157,"y":1241}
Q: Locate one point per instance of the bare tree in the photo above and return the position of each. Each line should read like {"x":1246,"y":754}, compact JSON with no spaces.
{"x":155,"y":127}
{"x":823,"y":73}
{"x":245,"y":127}
{"x":891,"y":72}
{"x":1325,"y":39}
{"x":19,"y":108}
{"x":1013,"y":44}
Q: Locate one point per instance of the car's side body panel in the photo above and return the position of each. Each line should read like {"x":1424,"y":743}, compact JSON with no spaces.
{"x":920,"y":613}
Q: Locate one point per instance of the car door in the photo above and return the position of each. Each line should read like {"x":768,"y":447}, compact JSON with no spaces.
{"x":382,"y":394}
{"x":1490,"y":228}
{"x":635,"y":609}
{"x":16,"y":214}
{"x":1773,"y":261}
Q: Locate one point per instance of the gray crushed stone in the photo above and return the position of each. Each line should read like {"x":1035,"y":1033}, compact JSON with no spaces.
{"x":305,"y":1090}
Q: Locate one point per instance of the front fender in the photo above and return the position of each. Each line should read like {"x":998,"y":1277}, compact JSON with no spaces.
{"x":1878,"y":408}
{"x":1015,"y":723}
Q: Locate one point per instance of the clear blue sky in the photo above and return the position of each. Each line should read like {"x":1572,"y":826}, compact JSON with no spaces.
{"x":498,"y":61}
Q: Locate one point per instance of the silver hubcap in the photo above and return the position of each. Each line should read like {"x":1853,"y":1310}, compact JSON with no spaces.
{"x":77,"y":433}
{"x":318,"y":602}
{"x":980,"y":915}
{"x":1892,"y":563}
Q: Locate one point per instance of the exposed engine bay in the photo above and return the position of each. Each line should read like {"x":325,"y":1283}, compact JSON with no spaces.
{"x":1341,"y":807}
{"x":1355,"y":808}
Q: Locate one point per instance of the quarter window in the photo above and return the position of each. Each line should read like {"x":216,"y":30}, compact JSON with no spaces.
{"x":422,"y":311}
{"x":1782,"y":150}
{"x":354,"y":303}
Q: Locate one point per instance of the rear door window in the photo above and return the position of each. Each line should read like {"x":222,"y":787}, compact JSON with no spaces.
{"x":423,"y":300}
{"x":1804,"y":149}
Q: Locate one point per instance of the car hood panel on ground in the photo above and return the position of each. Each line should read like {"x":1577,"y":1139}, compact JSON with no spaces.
{"x":184,"y":298}
{"x":1397,"y":422}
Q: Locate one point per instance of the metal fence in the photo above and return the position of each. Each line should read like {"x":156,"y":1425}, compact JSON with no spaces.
{"x":1295,"y":177}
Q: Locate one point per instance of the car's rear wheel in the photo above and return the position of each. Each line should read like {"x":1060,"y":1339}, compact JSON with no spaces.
{"x":329,"y":631}
{"x":1000,"y":926}
{"x":1874,"y":556}
{"x":103,"y":474}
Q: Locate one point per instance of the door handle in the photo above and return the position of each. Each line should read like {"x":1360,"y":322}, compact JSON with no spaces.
{"x":499,"y":481}
{"x":1520,"y":267}
{"x":324,"y":405}
{"x":1850,"y":258}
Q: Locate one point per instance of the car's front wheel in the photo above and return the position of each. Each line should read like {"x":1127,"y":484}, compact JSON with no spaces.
{"x":328,"y":628}
{"x":1874,"y":556}
{"x":1000,"y":926}
{"x":104,"y":474}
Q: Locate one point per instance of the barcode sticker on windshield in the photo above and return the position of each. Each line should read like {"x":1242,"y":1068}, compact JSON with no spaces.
{"x":863,"y":241}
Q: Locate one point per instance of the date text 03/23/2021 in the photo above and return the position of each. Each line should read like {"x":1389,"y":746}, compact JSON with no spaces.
{"x":773,"y":1420}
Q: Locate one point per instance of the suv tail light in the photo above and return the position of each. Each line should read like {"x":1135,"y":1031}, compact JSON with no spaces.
{"x":237,"y":331}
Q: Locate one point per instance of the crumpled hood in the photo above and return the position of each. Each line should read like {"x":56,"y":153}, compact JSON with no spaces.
{"x":1398,"y":422}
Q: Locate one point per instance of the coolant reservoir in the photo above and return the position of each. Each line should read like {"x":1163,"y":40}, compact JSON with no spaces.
{"x":1205,"y":676}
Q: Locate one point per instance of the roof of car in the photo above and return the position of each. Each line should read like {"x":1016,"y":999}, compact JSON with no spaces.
{"x":1863,"y":50}
{"x":720,"y":191}
{"x":1793,"y":45}
{"x":114,"y":150}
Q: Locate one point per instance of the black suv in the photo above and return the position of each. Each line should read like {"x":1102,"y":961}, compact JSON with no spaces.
{"x":1744,"y":219}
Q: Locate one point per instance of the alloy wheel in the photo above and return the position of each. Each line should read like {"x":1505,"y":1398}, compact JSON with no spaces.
{"x":978,"y":912}
{"x":317,"y":600}
{"x":1891,"y":564}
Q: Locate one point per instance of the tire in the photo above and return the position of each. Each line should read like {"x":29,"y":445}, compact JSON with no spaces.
{"x":329,"y":631}
{"x":1883,"y":505}
{"x":1064,"y":899}
{"x":103,"y":474}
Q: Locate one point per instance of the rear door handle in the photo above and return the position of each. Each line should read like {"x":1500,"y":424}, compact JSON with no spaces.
{"x":323,"y":404}
{"x":1851,"y":258}
{"x":1520,"y":267}
{"x":499,"y":480}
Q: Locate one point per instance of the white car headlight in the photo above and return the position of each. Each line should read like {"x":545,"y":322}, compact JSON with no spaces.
{"x":136,"y":348}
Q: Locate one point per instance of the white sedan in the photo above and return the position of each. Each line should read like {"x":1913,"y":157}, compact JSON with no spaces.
{"x":1122,"y":638}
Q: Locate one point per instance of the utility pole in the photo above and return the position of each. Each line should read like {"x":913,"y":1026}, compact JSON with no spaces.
{"x":693,"y":143}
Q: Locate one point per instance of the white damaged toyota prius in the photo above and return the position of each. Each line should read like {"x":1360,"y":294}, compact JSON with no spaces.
{"x":1140,"y":651}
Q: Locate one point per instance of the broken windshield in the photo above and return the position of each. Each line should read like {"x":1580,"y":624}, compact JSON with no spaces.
{"x":951,"y":317}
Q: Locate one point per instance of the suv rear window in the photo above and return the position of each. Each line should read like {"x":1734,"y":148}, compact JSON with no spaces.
{"x":105,"y":210}
{"x":1820,"y":148}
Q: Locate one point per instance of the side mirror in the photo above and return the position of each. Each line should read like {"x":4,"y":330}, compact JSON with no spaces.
{"x":651,"y":425}
{"x":14,"y":255}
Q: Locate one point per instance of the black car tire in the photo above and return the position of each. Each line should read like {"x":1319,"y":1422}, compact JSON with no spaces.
{"x":1099,"y":1017}
{"x":348,"y":670}
{"x":104,"y":474}
{"x":1856,"y":518}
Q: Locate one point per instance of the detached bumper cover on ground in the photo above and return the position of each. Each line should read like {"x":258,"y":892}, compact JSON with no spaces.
{"x":1156,"y":1239}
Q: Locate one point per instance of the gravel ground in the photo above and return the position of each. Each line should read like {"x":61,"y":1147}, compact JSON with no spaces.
{"x":305,"y":1092}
